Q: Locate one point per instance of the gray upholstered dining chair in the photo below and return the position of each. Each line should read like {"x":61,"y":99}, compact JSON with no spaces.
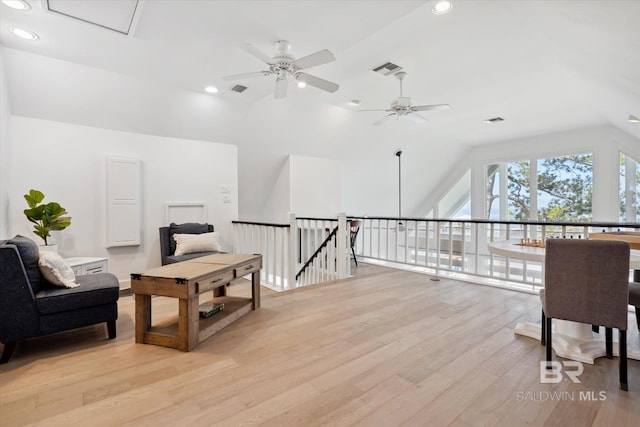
{"x":587,"y":281}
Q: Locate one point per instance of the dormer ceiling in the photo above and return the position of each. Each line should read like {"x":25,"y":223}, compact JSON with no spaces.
{"x":540,"y":65}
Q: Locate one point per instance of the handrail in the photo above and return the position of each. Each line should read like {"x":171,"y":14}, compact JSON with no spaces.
{"x":518,"y":222}
{"x":315,"y":254}
{"x":439,"y":246}
{"x":458,"y":248}
{"x":267,"y":224}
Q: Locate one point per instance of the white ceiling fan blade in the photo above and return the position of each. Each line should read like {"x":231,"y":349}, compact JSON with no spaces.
{"x":317,"y":82}
{"x":416,"y":118}
{"x":384,"y":119}
{"x":247,"y":75}
{"x":431,"y":107}
{"x":315,"y":59}
{"x":281,"y":89}
{"x":360,"y":111}
{"x":252,"y":50}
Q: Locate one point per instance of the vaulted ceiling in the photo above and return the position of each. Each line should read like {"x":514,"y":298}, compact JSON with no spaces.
{"x":543,"y":66}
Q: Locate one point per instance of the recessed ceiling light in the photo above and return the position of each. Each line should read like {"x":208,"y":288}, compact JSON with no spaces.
{"x":633,"y":119}
{"x":442,"y":7}
{"x":494,"y":120}
{"x":211,"y":89}
{"x":27,"y":35}
{"x":16,"y":4}
{"x":302,"y":85}
{"x":354,"y":102}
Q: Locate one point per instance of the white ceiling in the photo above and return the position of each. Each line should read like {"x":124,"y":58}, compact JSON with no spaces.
{"x":543,"y":66}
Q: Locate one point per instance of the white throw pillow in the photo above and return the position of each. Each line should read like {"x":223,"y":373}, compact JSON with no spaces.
{"x":55,"y":270}
{"x":190,"y":243}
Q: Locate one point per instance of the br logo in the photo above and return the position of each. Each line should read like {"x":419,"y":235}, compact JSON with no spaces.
{"x":554,"y":374}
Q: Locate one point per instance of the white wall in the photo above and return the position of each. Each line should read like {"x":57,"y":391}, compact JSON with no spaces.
{"x":315,"y":186}
{"x":278,"y":203}
{"x":67,"y":162}
{"x":306,"y":186}
{"x":5,"y":152}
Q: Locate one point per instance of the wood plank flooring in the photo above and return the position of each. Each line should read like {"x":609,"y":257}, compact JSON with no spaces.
{"x":384,"y":348}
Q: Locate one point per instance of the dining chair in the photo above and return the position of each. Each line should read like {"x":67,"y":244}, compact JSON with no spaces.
{"x":354,"y":227}
{"x":587,"y":281}
{"x":634,"y":297}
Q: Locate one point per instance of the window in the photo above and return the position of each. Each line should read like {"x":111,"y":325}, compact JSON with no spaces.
{"x":508,"y":195}
{"x":563,"y":188}
{"x":457,"y":202}
{"x":629,"y":189}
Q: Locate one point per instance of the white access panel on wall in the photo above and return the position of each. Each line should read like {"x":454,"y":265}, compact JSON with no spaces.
{"x":123,"y":201}
{"x":181,"y":212}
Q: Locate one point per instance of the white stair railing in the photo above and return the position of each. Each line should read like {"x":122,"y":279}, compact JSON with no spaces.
{"x":286,"y":249}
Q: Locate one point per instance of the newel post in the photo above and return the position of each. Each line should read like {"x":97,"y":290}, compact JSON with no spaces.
{"x":341,"y":240}
{"x":292,"y":249}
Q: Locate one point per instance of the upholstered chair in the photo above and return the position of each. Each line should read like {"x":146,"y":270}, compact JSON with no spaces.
{"x":587,"y":281}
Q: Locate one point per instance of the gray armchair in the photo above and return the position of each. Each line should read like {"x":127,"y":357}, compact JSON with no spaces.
{"x":168,"y":244}
{"x":587,"y":281}
{"x":31,"y":307}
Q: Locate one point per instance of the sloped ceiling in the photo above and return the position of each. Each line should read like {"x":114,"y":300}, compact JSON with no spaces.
{"x":543,"y":66}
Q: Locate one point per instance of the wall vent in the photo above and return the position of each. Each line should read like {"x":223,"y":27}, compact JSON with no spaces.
{"x":387,"y":68}
{"x":239,"y":88}
{"x":494,"y":120}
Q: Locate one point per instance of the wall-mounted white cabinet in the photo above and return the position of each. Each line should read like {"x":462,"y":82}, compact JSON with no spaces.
{"x":123,"y":201}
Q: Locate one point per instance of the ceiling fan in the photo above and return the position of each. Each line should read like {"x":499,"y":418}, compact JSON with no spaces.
{"x":401,"y":107}
{"x":284,"y":65}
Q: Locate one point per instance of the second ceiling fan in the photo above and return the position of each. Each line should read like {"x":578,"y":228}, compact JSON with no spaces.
{"x":283,"y":65}
{"x":401,"y":107}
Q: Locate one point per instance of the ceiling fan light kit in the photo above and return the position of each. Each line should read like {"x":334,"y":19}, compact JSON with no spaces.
{"x":283,"y":65}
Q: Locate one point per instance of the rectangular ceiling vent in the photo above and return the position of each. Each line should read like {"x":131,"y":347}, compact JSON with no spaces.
{"x":120,"y":16}
{"x":387,"y":69}
{"x":239,"y":88}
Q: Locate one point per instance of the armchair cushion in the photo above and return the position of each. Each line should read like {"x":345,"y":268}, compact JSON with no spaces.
{"x":29,"y":253}
{"x":94,"y":290}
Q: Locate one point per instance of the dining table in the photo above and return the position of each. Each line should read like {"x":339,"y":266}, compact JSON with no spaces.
{"x":571,"y":340}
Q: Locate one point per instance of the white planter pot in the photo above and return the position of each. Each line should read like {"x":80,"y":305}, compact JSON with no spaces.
{"x":53,"y":247}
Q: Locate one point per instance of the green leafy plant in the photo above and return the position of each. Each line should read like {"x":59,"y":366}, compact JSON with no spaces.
{"x":46,"y":217}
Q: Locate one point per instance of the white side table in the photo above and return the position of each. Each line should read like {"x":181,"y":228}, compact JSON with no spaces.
{"x":87,"y":265}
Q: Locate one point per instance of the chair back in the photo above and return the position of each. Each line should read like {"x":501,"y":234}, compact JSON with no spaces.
{"x":587,"y":281}
{"x":354,"y":227}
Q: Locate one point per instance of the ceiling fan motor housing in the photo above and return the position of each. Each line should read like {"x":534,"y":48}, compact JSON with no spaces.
{"x":403,"y":101}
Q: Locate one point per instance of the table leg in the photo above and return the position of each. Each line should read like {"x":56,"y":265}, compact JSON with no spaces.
{"x":255,"y":289}
{"x":143,"y":316}
{"x":188,"y":324}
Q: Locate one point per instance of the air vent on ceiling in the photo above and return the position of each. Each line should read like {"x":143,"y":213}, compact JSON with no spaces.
{"x":494,"y":120}
{"x":387,"y":69}
{"x":239,"y":88}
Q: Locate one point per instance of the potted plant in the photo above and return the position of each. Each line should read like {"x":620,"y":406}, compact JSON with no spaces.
{"x":47,"y":217}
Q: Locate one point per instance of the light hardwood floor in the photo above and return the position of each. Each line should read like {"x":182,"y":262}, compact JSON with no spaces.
{"x":385,"y":348}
